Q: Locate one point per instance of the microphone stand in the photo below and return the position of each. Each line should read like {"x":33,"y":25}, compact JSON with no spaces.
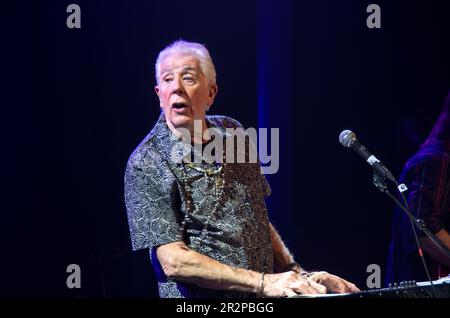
{"x":379,"y":180}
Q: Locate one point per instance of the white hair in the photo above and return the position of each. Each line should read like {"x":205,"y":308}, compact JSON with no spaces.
{"x":189,"y":48}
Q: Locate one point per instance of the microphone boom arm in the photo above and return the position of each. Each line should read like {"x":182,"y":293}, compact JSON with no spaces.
{"x":380,"y":182}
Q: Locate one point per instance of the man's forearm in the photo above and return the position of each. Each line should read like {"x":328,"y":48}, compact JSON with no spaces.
{"x":431,"y":249}
{"x":281,"y":255}
{"x":183,"y":264}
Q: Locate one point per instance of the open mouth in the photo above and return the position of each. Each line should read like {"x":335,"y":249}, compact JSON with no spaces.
{"x":179,"y":105}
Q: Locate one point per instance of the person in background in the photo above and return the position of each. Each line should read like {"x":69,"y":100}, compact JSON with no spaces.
{"x":427,"y":175}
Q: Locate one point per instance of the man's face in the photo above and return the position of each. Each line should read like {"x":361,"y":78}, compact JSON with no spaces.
{"x":183,"y":90}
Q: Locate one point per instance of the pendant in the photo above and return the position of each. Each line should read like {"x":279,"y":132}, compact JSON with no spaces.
{"x":219,"y":182}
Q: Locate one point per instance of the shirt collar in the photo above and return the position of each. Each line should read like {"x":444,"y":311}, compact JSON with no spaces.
{"x":169,"y":144}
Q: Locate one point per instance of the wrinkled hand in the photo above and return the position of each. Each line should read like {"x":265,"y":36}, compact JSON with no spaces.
{"x":333,"y":283}
{"x":290,"y":284}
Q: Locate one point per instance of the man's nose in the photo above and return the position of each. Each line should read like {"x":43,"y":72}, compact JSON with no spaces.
{"x":177,"y":87}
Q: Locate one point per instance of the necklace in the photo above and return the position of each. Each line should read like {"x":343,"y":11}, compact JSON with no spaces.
{"x":217,"y":175}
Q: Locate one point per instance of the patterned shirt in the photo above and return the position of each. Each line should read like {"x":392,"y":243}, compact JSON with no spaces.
{"x":427,"y":175}
{"x":155,"y":194}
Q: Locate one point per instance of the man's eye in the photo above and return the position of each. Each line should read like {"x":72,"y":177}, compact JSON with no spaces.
{"x":167,"y":79}
{"x":188,"y":78}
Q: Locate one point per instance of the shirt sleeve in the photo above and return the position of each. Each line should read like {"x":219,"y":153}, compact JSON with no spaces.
{"x":266,"y":190}
{"x":152,"y":201}
{"x":428,"y":196}
{"x":251,"y":146}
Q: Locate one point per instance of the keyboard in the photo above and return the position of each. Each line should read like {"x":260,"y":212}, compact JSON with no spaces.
{"x":410,"y":289}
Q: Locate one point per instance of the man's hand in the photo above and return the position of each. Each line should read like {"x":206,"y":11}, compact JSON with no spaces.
{"x":290,"y":284}
{"x":333,"y":283}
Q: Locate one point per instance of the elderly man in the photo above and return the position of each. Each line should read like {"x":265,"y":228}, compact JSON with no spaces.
{"x":205,"y":223}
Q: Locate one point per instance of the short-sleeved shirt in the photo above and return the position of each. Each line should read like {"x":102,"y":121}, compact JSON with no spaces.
{"x":238,"y":231}
{"x":427,"y":175}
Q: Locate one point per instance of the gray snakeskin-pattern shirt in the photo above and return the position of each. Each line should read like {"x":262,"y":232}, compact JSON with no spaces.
{"x":238,"y":233}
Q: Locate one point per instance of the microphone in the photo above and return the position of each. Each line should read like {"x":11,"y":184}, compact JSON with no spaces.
{"x":348,"y":139}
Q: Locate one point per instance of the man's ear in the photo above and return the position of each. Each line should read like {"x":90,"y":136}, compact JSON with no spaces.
{"x":213,"y":89}
{"x":156,"y":88}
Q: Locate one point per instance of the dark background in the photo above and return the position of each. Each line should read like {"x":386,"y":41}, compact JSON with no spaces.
{"x":76,"y":102}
